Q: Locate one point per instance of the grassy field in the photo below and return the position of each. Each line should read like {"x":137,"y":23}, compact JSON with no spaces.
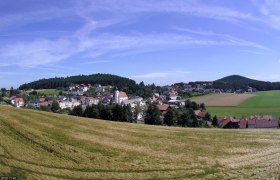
{"x":40,"y":145}
{"x":221,"y":100}
{"x":49,"y":91}
{"x":263,"y":103}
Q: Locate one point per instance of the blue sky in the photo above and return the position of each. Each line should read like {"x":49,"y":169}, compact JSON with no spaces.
{"x":160,"y":41}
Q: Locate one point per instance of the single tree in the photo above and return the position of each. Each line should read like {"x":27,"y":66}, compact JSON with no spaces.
{"x":188,"y":104}
{"x":202,"y":106}
{"x":152,"y":116}
{"x":170,"y":117}
{"x":118,"y":113}
{"x":215,"y":122}
{"x":55,"y":106}
{"x":12,"y":91}
{"x":207,"y":116}
{"x":128,"y":113}
{"x":77,"y":111}
{"x":184,"y":119}
{"x":3,"y":90}
{"x":194,"y":105}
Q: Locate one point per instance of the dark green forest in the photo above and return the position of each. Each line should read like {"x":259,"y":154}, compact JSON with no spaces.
{"x":122,"y":83}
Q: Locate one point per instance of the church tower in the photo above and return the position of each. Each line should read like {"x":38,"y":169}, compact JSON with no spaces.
{"x":117,"y":93}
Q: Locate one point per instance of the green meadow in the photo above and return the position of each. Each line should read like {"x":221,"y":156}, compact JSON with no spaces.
{"x":41,"y":145}
{"x":48,"y":91}
{"x":263,"y":103}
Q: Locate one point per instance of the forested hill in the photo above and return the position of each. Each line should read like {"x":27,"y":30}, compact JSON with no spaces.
{"x":58,"y":82}
{"x":240,"y":82}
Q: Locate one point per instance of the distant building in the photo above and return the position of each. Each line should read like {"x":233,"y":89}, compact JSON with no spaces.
{"x":120,"y":97}
{"x":17,"y":102}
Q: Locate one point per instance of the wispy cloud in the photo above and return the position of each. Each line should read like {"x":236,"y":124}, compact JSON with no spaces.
{"x":96,"y":62}
{"x":270,"y":12}
{"x":228,"y":39}
{"x":44,"y":52}
{"x":168,"y":74}
{"x":87,"y":42}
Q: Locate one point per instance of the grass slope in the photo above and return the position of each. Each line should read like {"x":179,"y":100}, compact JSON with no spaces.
{"x":40,"y":145}
{"x":264,"y":103}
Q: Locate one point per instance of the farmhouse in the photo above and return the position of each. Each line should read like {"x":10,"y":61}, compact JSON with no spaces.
{"x":17,"y":102}
{"x":199,"y":114}
{"x":163,"y":109}
{"x":251,"y":123}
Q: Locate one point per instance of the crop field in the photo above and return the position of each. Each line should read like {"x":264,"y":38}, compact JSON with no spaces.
{"x":262,"y":103}
{"x":40,"y":145}
{"x":48,"y":91}
{"x":228,"y":99}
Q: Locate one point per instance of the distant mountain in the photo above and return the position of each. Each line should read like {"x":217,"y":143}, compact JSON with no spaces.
{"x":237,"y":79}
{"x":241,"y":82}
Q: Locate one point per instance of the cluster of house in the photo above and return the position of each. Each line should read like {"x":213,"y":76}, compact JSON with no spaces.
{"x":78,"y":96}
{"x":266,"y":121}
{"x":207,"y":87}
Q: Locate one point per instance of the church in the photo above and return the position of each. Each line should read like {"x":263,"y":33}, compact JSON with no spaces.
{"x":120,"y":97}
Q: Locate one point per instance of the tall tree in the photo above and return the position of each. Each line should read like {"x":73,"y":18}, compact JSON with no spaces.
{"x":207,"y":116}
{"x":118,"y":113}
{"x":77,"y":111}
{"x":3,"y":90}
{"x":215,"y":122}
{"x":202,"y":106}
{"x":170,"y":117}
{"x":127,"y":113}
{"x":188,"y":104}
{"x":153,"y":115}
{"x":184,"y":119}
{"x":55,"y":106}
{"x":12,"y":92}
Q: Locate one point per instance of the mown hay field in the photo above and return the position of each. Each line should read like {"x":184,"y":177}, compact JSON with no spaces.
{"x":222,"y":100}
{"x":40,"y":145}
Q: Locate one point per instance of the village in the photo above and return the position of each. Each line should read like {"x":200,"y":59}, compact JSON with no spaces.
{"x":87,"y":95}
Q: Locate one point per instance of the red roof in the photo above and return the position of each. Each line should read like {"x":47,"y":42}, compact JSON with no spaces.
{"x":199,"y":113}
{"x":252,"y":122}
{"x":122,"y":94}
{"x":43,"y":104}
{"x":163,"y":107}
{"x":243,"y":124}
{"x":19,"y":100}
{"x":225,"y":122}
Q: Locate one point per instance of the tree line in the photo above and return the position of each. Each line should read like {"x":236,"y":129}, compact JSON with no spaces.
{"x":109,"y":112}
{"x":183,"y":116}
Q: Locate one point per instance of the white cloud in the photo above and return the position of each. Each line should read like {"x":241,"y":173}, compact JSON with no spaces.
{"x":85,"y":42}
{"x":168,"y":74}
{"x":38,"y":52}
{"x":270,"y":12}
{"x":228,"y":39}
{"x":96,"y":62}
{"x":44,"y":52}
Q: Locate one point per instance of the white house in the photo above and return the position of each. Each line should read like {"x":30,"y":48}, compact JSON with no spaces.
{"x":85,"y":89}
{"x":17,"y":102}
{"x":90,"y":101}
